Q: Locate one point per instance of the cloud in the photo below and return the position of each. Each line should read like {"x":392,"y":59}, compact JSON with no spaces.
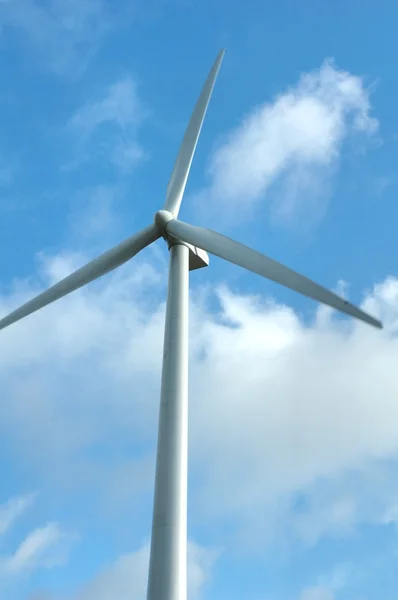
{"x":41,"y":412}
{"x":335,"y":515}
{"x":292,"y":145}
{"x":13,"y":509}
{"x":281,"y":409}
{"x":64,"y":33}
{"x":107,"y":127}
{"x":317,"y":593}
{"x":126,"y":578}
{"x":45,"y":547}
{"x":339,"y":578}
{"x":301,"y":405}
{"x":201,"y":562}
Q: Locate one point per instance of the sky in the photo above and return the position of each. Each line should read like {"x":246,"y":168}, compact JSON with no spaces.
{"x":293,"y":431}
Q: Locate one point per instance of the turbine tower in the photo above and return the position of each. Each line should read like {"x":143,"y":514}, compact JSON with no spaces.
{"x":188,"y":247}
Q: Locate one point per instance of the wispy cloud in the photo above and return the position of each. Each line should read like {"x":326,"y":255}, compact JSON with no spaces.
{"x":13,"y":509}
{"x":64,"y":33}
{"x":294,"y":142}
{"x":45,"y":547}
{"x":340,"y":577}
{"x":317,"y":593}
{"x":107,"y":127}
{"x":127,"y":577}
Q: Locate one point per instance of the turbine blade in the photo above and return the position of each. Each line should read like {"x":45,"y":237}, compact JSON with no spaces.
{"x":241,"y":255}
{"x":106,"y":262}
{"x":179,"y":176}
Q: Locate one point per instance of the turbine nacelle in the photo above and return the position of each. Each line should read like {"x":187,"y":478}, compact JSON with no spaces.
{"x":198,"y":258}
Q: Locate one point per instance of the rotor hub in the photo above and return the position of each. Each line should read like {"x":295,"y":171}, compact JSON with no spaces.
{"x":162,"y":217}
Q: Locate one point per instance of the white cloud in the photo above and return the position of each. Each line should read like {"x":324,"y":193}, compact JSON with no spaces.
{"x":110,"y":124}
{"x":64,"y":33}
{"x":126,"y":579}
{"x":391,"y":514}
{"x":201,"y":561}
{"x":317,"y":593}
{"x":46,"y":547}
{"x":335,"y":515}
{"x":278,"y":407}
{"x":294,"y":142}
{"x":13,"y":509}
{"x":340,"y":577}
{"x":299,"y":404}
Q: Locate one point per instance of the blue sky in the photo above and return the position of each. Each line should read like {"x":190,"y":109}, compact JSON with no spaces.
{"x":293,"y":409}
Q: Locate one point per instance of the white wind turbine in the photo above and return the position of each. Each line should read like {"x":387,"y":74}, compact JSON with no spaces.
{"x":188,"y":245}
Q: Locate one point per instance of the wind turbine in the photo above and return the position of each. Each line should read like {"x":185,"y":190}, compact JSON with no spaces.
{"x":188,"y":247}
